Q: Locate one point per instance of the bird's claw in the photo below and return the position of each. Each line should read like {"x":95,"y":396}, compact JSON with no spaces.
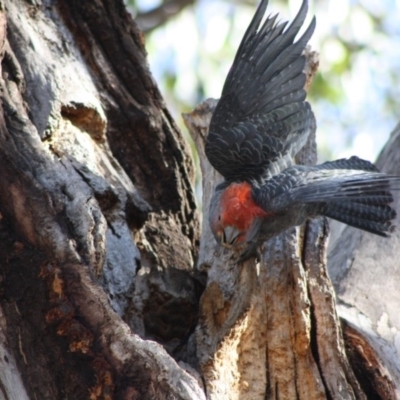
{"x":249,"y":252}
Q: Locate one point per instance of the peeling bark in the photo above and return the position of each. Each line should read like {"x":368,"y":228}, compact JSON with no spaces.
{"x":87,"y":241}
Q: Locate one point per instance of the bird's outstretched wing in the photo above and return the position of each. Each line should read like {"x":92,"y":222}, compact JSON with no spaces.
{"x":262,"y":114}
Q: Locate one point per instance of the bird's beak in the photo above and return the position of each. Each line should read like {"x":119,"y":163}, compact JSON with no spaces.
{"x":230,"y":234}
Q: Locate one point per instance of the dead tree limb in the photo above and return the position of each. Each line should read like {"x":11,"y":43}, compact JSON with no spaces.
{"x":98,"y":219}
{"x":269,"y":330}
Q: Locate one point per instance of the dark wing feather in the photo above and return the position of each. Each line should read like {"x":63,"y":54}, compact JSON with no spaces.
{"x":351,"y":191}
{"x":262,"y":114}
{"x":307,"y":185}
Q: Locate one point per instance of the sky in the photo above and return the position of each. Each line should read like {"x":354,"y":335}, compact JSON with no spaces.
{"x":359,"y":46}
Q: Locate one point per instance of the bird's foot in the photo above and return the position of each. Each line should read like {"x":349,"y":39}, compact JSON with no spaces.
{"x":250,"y":252}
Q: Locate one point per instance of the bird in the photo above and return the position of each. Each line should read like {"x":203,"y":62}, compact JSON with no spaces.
{"x":261,"y":121}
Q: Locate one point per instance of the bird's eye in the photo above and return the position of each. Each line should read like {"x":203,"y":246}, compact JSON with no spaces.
{"x":219,"y":218}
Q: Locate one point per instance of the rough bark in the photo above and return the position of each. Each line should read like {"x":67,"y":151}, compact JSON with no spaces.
{"x":98,"y":219}
{"x":366,"y":276}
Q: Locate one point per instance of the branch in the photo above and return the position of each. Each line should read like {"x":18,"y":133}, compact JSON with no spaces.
{"x":153,"y":19}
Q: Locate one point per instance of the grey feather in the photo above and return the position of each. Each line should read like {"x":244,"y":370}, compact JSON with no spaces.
{"x":262,"y":115}
{"x":359,"y":197}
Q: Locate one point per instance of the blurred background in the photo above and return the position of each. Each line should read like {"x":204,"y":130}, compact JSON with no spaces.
{"x":355,"y":95}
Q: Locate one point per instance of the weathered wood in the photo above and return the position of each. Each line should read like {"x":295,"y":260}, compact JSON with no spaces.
{"x":366,"y":275}
{"x":226,"y":304}
{"x":98,"y":214}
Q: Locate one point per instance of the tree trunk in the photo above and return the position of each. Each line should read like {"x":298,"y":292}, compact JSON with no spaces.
{"x":100,"y":294}
{"x":87,"y":149}
{"x":366,"y":276}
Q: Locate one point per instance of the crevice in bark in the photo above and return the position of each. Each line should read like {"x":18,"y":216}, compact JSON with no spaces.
{"x":292,"y":317}
{"x":268,"y":389}
{"x":86,"y":119}
{"x":13,"y":66}
{"x":313,"y":318}
{"x":314,"y":348}
{"x":368,"y":368}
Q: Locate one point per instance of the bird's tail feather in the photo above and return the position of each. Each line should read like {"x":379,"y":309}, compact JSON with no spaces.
{"x":373,"y":218}
{"x":362,"y":202}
